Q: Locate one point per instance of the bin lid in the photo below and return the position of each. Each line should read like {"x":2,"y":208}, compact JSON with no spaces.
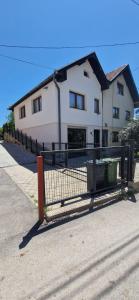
{"x":111,"y":160}
{"x":98,"y":162}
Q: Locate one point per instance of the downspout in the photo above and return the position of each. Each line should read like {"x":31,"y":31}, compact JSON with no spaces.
{"x":59,"y":109}
{"x":112,"y":110}
{"x":102,"y":119}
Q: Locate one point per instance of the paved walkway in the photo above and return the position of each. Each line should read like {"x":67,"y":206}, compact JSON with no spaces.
{"x":20,"y":165}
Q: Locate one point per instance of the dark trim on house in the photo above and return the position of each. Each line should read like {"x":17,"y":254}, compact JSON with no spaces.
{"x":61,"y":75}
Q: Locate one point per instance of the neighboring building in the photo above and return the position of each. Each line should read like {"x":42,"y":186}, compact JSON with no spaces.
{"x":78,"y":104}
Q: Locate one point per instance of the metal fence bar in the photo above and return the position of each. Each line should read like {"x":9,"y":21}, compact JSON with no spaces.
{"x":53,"y":157}
{"x":41,"y":188}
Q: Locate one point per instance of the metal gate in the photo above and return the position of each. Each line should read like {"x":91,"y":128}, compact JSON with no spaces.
{"x":66,"y":173}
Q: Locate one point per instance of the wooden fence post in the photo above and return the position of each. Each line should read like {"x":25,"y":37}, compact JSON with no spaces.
{"x":41,"y":188}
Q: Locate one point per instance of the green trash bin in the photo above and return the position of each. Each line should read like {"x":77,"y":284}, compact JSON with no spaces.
{"x":111,"y":171}
{"x":99,"y":175}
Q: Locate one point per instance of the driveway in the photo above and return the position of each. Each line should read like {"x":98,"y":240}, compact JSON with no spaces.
{"x":94,"y":256}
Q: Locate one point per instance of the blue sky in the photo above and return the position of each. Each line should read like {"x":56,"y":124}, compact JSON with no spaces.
{"x":63,"y":22}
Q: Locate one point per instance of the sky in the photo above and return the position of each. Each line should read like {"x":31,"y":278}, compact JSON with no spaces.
{"x":62,"y":23}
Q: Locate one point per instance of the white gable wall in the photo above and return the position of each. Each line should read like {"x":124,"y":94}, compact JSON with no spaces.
{"x":113,"y":99}
{"x":90,"y":88}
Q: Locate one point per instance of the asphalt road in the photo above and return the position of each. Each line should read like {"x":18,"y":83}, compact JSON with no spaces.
{"x":95,"y":256}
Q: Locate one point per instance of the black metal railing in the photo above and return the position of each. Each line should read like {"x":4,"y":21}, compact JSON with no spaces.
{"x":33,"y":145}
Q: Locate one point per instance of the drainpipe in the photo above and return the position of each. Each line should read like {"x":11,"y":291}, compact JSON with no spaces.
{"x":59,"y":109}
{"x":102,"y":119}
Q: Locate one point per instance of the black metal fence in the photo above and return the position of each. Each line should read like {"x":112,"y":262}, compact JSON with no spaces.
{"x":75,"y":173}
{"x":25,"y":140}
{"x":65,"y":146}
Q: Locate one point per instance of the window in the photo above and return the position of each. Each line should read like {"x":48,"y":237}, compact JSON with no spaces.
{"x":76,"y":101}
{"x":22,"y":112}
{"x":120,"y":88}
{"x":116,"y":111}
{"x":127,"y":115}
{"x":36,"y":105}
{"x":86,"y":74}
{"x":96,"y":106}
{"x":115,"y":136}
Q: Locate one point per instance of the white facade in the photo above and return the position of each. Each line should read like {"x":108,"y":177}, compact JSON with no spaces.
{"x":43,"y":125}
{"x":123,"y":102}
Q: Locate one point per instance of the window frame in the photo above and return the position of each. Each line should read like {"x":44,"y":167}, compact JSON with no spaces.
{"x":76,"y":100}
{"x":115,"y":134}
{"x":22,"y":112}
{"x":116,"y":115}
{"x":96,"y":100}
{"x":120,"y":88}
{"x":127,"y":117}
{"x":39,"y":105}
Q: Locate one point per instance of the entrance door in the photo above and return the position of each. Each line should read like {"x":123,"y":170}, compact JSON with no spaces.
{"x":104,"y":138}
{"x":76,"y":138}
{"x":96,"y":138}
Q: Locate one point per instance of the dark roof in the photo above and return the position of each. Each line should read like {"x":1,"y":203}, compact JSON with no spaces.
{"x":61,"y":75}
{"x":126,"y":72}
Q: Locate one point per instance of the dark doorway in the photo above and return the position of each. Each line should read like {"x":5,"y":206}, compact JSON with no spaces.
{"x":96,"y":138}
{"x":104,"y":138}
{"x":76,"y":138}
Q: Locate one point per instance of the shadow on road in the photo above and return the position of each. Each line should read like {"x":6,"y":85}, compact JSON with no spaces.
{"x":39,"y":228}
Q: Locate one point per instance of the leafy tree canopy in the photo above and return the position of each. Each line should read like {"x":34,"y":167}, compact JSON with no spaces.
{"x":130,"y":132}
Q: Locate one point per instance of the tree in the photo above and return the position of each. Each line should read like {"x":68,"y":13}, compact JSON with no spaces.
{"x":130,"y":132}
{"x":10,"y":119}
{"x":10,"y":124}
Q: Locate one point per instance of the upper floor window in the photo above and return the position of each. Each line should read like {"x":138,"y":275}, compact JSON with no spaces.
{"x":86,"y":74}
{"x":115,"y":136}
{"x":22,"y":112}
{"x":37,"y":105}
{"x":120,"y":88}
{"x":96,"y":106}
{"x":116,"y":112}
{"x":127,"y":115}
{"x":77,"y":101}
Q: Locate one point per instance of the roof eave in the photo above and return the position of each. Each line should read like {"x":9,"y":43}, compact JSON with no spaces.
{"x":92,"y":58}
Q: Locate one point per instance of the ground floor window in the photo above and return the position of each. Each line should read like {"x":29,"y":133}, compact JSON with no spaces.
{"x":76,"y":138}
{"x":115,"y":136}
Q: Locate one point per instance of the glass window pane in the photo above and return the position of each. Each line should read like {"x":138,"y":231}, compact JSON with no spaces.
{"x":37,"y":105}
{"x":96,"y":106}
{"x":72,"y":100}
{"x":80,"y":102}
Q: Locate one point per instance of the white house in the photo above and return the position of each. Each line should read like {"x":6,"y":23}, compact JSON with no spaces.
{"x":78,"y":104}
